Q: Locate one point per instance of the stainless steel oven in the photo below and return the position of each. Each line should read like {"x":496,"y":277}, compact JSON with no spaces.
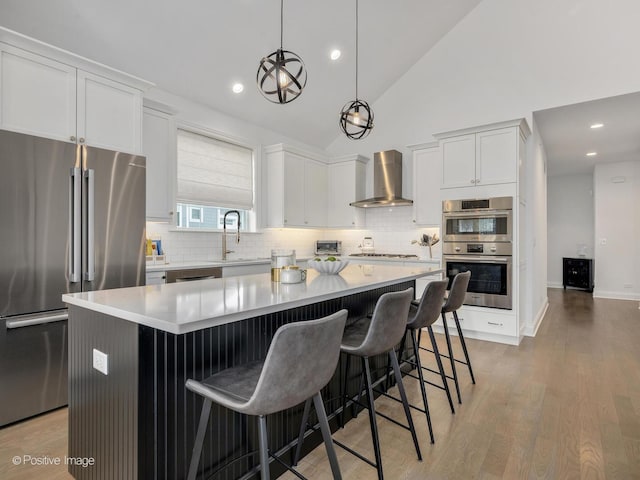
{"x":478,"y":237}
{"x":491,"y":278}
{"x":484,"y":220}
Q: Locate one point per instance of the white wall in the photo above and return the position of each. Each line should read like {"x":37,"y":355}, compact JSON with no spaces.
{"x":505,"y":60}
{"x":570,"y":216}
{"x":617,"y":220}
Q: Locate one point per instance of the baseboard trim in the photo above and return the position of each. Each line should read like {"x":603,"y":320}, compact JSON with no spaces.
{"x":532,"y":330}
{"x":616,"y":295}
{"x":554,"y":285}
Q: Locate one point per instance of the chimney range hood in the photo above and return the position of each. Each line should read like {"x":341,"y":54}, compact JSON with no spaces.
{"x":387,"y":182}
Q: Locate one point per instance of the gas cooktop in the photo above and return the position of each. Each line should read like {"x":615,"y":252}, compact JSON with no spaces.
{"x":386,"y":255}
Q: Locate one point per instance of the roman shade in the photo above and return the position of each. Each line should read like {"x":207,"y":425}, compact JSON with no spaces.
{"x":214,"y":172}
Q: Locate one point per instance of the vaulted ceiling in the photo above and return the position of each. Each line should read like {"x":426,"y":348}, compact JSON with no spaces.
{"x":198,"y":49}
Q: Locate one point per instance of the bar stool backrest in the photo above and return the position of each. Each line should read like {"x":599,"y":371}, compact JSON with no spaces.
{"x":388,"y":323}
{"x":301,"y":360}
{"x":430,"y":306}
{"x":457,"y":292}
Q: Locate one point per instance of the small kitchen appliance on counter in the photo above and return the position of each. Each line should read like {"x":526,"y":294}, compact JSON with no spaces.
{"x":328,"y":247}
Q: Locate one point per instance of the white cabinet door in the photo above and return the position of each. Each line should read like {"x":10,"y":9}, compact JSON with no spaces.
{"x":37,"y":95}
{"x":497,"y":156}
{"x":427,"y":168}
{"x":345,"y":185}
{"x":160,"y":149}
{"x":458,"y":161}
{"x":294,"y":190}
{"x":155,"y":278}
{"x":109,"y":114}
{"x":315,"y":194}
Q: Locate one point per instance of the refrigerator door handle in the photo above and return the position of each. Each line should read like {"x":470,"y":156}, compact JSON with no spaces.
{"x":75,"y":217}
{"x":36,"y":320}
{"x":91,"y":261}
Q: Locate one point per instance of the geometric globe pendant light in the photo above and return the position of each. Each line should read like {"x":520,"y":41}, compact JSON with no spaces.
{"x":356,"y":117}
{"x":281,"y":75}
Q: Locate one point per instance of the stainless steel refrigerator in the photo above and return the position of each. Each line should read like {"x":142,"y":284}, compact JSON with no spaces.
{"x":72,"y":218}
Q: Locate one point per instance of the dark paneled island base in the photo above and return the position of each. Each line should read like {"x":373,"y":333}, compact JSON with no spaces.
{"x":139,"y":421}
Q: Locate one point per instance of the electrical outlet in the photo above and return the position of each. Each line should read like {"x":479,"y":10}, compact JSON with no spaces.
{"x":101,"y":361}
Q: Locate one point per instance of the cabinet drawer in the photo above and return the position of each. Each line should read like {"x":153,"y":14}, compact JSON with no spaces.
{"x":487,"y":322}
{"x":155,"y":278}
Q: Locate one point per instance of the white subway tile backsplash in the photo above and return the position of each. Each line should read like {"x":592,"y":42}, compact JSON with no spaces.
{"x":391,"y":229}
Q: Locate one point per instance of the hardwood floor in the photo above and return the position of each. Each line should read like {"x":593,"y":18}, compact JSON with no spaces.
{"x":562,"y":405}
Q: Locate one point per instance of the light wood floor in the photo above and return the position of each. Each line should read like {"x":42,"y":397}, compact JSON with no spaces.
{"x":562,"y":405}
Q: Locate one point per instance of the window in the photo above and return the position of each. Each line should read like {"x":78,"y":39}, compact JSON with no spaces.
{"x":214,"y":176}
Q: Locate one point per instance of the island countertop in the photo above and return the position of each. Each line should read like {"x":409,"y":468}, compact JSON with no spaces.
{"x":189,"y":306}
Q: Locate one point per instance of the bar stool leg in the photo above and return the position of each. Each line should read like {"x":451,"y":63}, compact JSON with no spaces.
{"x":451,"y":359}
{"x":344,"y":390}
{"x":436,"y":352}
{"x":405,"y":402}
{"x":464,"y":346}
{"x":423,"y":390}
{"x":372,"y":418}
{"x":326,"y":435}
{"x":197,"y":447}
{"x":303,"y":428}
{"x":264,"y":449}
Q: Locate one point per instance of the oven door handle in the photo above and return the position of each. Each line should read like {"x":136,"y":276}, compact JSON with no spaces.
{"x":465,"y":258}
{"x":492,"y":213}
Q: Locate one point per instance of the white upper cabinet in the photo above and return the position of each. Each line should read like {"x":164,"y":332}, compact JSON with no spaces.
{"x":109,"y":114}
{"x":458,"y":161}
{"x":427,"y":168}
{"x":159,"y":146}
{"x":488,"y":156}
{"x":50,"y":93}
{"x":346,"y":184}
{"x":37,"y":95}
{"x":297,"y":188}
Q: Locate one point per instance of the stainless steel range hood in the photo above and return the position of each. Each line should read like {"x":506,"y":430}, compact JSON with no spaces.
{"x":387,"y":182}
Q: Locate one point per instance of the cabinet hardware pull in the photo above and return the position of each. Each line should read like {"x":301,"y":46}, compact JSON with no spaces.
{"x":473,"y":181}
{"x":72,"y":138}
{"x":81,"y":140}
{"x":494,"y":323}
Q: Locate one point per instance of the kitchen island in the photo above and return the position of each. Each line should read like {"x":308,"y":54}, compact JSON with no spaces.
{"x":139,"y":421}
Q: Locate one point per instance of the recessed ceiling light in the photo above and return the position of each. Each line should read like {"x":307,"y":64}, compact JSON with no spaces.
{"x":597,"y":125}
{"x":592,"y":154}
{"x":237,"y":87}
{"x":335,"y":54}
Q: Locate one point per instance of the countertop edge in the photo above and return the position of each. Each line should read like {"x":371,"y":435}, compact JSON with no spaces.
{"x":196,"y":325}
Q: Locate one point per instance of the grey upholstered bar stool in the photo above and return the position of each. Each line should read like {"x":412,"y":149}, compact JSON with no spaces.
{"x":301,"y":360}
{"x":453,"y":302}
{"x":422,"y":315}
{"x":366,"y":338}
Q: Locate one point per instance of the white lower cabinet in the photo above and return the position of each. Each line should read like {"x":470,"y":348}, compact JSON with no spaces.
{"x":155,"y":278}
{"x":478,"y":322}
{"x":235,"y":270}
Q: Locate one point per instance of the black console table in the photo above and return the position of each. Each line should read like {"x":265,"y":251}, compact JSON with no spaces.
{"x":578,"y":273}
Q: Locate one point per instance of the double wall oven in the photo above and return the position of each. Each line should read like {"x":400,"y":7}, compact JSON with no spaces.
{"x":478,"y":237}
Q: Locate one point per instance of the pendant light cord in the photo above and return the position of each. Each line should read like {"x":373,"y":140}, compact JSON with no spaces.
{"x":356,"y":49}
{"x":281,"y":20}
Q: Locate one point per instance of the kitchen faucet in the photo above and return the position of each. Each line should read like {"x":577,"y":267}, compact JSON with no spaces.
{"x":224,"y":233}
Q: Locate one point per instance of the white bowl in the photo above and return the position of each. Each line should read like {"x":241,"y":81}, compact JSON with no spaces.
{"x":326,"y":267}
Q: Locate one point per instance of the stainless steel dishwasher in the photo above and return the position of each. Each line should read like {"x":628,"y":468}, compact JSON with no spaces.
{"x":190,"y":274}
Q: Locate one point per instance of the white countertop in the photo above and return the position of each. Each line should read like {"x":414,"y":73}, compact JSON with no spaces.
{"x":185,"y":307}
